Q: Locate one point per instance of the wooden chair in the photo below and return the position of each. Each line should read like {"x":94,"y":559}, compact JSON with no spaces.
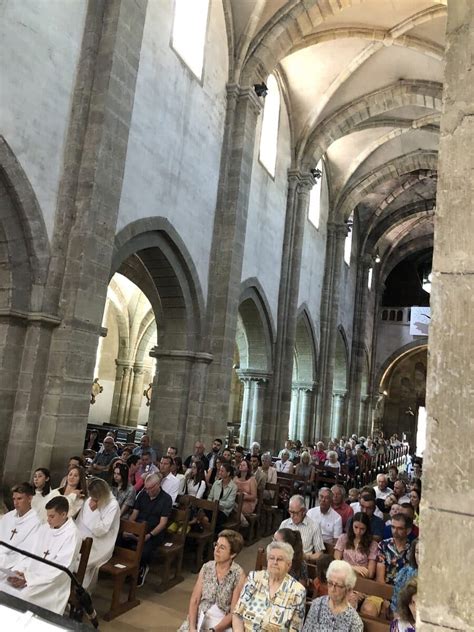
{"x":374,"y":625}
{"x":371,"y":587}
{"x":125,"y":563}
{"x":234,"y":519}
{"x":270,"y":514}
{"x":261,"y":561}
{"x":170,"y":553}
{"x":75,"y":609}
{"x":204,"y":539}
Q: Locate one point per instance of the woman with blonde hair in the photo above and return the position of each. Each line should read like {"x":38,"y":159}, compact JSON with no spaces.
{"x":99,"y":519}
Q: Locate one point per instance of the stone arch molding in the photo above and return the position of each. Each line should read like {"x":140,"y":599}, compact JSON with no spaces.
{"x":152,"y":254}
{"x":255,"y":333}
{"x":25,"y":252}
{"x":341,"y":361}
{"x":389,"y":363}
{"x":305,"y":355}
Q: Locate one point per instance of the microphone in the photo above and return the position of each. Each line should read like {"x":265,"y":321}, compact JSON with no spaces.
{"x":82,"y":595}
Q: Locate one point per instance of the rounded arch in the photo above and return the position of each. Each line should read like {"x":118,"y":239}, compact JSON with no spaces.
{"x":383,"y":374}
{"x":254,"y":332}
{"x":304,"y":369}
{"x":341,"y":362}
{"x":151,"y":254}
{"x":25,"y":252}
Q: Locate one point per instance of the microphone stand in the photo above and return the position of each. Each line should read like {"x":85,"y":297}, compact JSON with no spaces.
{"x":82,"y":595}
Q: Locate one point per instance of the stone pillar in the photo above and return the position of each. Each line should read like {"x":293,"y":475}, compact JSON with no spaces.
{"x":244,"y":419}
{"x":337,"y":422}
{"x":294,"y":408}
{"x":136,"y":394}
{"x":276,"y":426}
{"x":175,"y":411}
{"x":230,"y":225}
{"x":306,"y":406}
{"x":358,"y":344}
{"x":258,"y":400}
{"x":82,"y":243}
{"x":447,"y":514}
{"x":124,"y":369}
{"x":329,"y":313}
{"x":363,"y":429}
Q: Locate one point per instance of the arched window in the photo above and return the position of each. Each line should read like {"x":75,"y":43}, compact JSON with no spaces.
{"x":189,"y":32}
{"x":314,"y":210}
{"x":369,"y":278}
{"x":348,"y":247}
{"x":271,"y":119}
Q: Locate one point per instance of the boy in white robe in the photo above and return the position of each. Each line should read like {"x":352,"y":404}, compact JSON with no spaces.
{"x":19,"y":526}
{"x":99,"y":519}
{"x":58,"y":541}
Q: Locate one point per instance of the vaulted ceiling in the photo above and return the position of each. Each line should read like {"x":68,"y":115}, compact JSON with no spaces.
{"x":362,"y":83}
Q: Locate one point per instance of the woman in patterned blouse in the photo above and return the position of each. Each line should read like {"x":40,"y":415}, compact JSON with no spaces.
{"x":271,"y":600}
{"x":334,"y":612}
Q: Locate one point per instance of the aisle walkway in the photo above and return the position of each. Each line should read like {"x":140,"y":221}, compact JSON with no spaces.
{"x":160,"y":612}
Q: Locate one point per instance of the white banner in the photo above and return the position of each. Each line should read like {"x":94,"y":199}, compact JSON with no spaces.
{"x":419,"y":321}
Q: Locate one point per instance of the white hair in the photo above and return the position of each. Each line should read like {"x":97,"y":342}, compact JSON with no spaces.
{"x":299,"y":498}
{"x":267,"y":457}
{"x":282,"y":546}
{"x":339,"y":566}
{"x":255,"y":444}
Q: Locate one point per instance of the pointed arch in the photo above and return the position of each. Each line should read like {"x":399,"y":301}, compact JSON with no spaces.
{"x":341,"y":364}
{"x":254,"y":329}
{"x":305,"y":355}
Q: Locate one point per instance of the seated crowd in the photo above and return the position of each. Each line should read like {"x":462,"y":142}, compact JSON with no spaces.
{"x":373,"y":535}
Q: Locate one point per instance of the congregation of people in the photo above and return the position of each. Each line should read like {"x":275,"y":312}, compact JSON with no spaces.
{"x":369,"y":532}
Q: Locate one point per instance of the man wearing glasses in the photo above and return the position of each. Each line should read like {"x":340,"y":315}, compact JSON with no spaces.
{"x":311,"y":535}
{"x":392,"y":553}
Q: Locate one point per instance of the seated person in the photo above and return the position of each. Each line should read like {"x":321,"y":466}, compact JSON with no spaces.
{"x":75,"y":489}
{"x":406,"y":611}
{"x":284,"y":465}
{"x":18,"y":527}
{"x":169,"y":482}
{"x":367,"y":506}
{"x":101,"y":463}
{"x":57,"y":541}
{"x":145,"y":447}
{"x":311,"y":534}
{"x":154,"y":507}
{"x":357,"y":548}
{"x":99,"y":519}
{"x":331,"y":463}
{"x":382,"y":490}
{"x":393,"y":553}
{"x":406,"y":573}
{"x":330,"y":520}
{"x":225,"y":491}
{"x":246,"y":485}
{"x":339,"y":505}
{"x":299,"y":568}
{"x":123,"y":490}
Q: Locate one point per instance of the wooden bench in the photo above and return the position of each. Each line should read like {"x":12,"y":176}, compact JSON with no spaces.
{"x":234,"y":519}
{"x":270,"y":514}
{"x":170,"y":553}
{"x":125,"y":563}
{"x":75,"y":608}
{"x":203,"y":540}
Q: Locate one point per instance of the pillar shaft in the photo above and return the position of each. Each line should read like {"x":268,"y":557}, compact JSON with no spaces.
{"x":447,"y":512}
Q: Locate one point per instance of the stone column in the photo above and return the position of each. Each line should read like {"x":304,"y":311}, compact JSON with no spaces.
{"x":82,"y":243}
{"x":447,"y":511}
{"x":299,"y":187}
{"x":306,"y":406}
{"x":124,"y":370}
{"x":363,"y":429}
{"x":230,"y":225}
{"x":337,"y":422}
{"x":294,"y":409}
{"x":258,"y":400}
{"x":175,"y":409}
{"x":244,"y":419}
{"x":329,"y":313}
{"x":358,"y":344}
{"x":136,"y":394}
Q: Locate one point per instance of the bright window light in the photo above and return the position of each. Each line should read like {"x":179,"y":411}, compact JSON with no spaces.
{"x":421,"y":431}
{"x":348,"y":248}
{"x":189,"y":32}
{"x":271,"y":117}
{"x":369,"y":278}
{"x":315,"y":199}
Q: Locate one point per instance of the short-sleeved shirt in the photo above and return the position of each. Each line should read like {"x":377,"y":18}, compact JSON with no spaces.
{"x":377,"y":526}
{"x":311,"y":534}
{"x":356,"y":557}
{"x":393,"y":559}
{"x":331,"y":522}
{"x":152,"y":510}
{"x":320,"y":618}
{"x":284,"y":612}
{"x":346,"y":512}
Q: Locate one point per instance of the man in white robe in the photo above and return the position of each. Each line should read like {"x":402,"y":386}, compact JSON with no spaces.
{"x":58,"y":541}
{"x":19,"y":526}
{"x":99,"y":519}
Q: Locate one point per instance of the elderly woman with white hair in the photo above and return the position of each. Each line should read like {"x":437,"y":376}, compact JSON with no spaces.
{"x":271,"y":600}
{"x":333,"y":612}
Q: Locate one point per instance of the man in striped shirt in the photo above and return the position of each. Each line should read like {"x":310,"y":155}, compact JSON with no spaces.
{"x":311,"y":535}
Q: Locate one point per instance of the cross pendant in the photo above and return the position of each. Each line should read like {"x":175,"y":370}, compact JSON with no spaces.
{"x":45,"y":554}
{"x":14,"y":532}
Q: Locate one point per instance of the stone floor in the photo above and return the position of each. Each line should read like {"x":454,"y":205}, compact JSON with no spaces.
{"x":160,"y":612}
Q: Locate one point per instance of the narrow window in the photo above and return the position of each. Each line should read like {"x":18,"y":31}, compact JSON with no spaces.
{"x":315,"y":198}
{"x":348,"y":247}
{"x":189,"y":32}
{"x":369,"y":278}
{"x":271,"y":119}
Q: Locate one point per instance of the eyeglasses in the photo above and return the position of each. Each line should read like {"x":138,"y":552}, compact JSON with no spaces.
{"x":295,"y":512}
{"x":220,"y":547}
{"x":334,"y":585}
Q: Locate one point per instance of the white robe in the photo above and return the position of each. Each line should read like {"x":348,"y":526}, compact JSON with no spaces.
{"x":46,"y":586}
{"x":102,"y":525}
{"x":38,"y":503}
{"x":75,"y":503}
{"x":25,"y":528}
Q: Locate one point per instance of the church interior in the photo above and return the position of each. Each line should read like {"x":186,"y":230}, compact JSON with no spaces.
{"x":241,"y":219}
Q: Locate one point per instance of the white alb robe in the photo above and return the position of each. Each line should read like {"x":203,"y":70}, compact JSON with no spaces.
{"x":102,"y":525}
{"x":17,"y":531}
{"x":46,"y":586}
